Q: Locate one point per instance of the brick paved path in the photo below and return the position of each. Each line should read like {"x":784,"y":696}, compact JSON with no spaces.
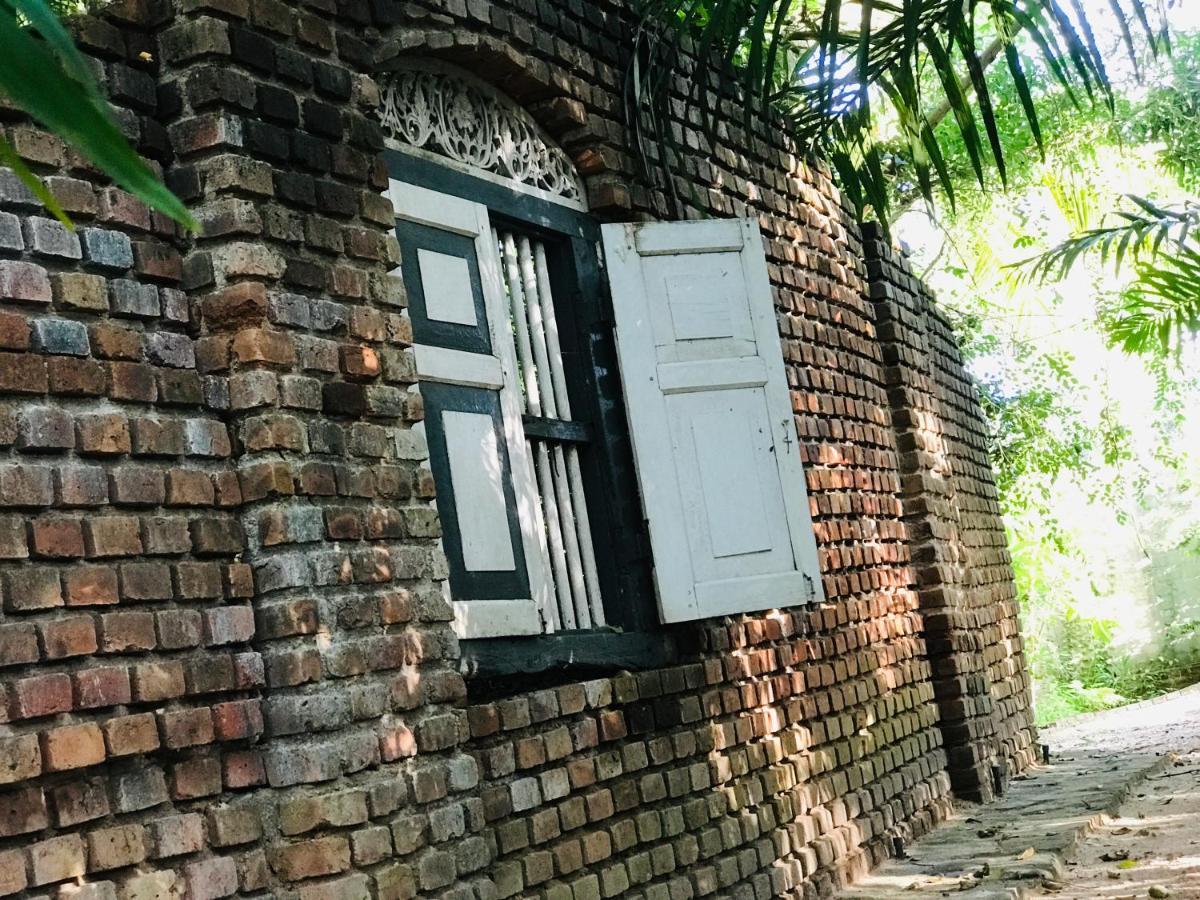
{"x":1122,"y":761}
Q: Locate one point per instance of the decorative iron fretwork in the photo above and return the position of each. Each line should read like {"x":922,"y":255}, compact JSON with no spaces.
{"x":464,"y":120}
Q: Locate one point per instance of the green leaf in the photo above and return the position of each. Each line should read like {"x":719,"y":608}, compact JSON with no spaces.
{"x":10,"y":158}
{"x":34,"y":79}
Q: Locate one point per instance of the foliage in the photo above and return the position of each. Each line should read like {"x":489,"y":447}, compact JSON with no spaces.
{"x":1161,"y":308}
{"x":44,"y":74}
{"x":828,"y":66}
{"x":1094,"y":450}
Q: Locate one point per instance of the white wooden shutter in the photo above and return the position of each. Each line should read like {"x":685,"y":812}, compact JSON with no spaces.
{"x":467,"y":366}
{"x":710,"y":418}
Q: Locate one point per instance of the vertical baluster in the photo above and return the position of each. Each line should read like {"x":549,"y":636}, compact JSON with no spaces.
{"x":558,"y":380}
{"x":536,"y":302}
{"x":564,"y":615}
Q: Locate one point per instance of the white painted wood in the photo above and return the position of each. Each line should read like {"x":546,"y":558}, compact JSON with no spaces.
{"x":426,"y":207}
{"x":558,"y":376}
{"x":478,"y":488}
{"x":458,"y":367}
{"x":446,"y":284}
{"x":499,"y":371}
{"x":563,"y":612}
{"x":563,"y":500}
{"x":489,"y":618}
{"x":710,"y":418}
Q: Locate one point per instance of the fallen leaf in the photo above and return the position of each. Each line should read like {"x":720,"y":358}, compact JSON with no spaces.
{"x":1158,"y":892}
{"x":1114,"y":856}
{"x":1127,"y":864}
{"x":1026,"y":853}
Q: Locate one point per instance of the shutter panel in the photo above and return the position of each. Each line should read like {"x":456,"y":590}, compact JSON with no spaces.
{"x":710,"y":418}
{"x":467,"y":367}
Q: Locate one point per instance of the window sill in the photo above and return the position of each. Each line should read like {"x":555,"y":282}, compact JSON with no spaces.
{"x":580,"y":652}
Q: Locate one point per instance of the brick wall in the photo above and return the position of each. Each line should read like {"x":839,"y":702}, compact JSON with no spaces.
{"x":226,"y":661}
{"x":956,"y":533}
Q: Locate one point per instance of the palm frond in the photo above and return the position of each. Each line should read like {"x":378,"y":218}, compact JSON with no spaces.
{"x":1161,"y":309}
{"x":1139,"y":235}
{"x":836,"y":53}
{"x":43,"y":73}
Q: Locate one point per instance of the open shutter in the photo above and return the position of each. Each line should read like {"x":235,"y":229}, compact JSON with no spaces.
{"x":467,"y":366}
{"x":710,"y":418}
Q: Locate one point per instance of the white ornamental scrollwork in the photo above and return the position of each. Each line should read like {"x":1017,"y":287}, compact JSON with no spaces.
{"x":467,"y":122}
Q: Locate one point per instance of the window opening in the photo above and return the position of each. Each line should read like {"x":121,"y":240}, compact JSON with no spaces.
{"x":553,"y":445}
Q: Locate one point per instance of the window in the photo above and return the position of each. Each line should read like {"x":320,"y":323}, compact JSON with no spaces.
{"x":576,"y":493}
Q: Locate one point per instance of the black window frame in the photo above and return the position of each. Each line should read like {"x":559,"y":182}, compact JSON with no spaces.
{"x":633,"y":637}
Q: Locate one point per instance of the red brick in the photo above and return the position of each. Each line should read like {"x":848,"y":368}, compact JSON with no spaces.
{"x":308,"y":859}
{"x":108,"y":686}
{"x":41,"y":695}
{"x":127,"y":735}
{"x":91,"y":586}
{"x":24,"y":281}
{"x":256,"y":345}
{"x":244,"y":768}
{"x":360,"y":362}
{"x":132,"y":381}
{"x":72,"y":746}
{"x":124,"y":632}
{"x":104,"y":434}
{"x":189,"y":487}
{"x":20,"y":373}
{"x":195,"y":778}
{"x":242,"y":305}
{"x":157,"y":260}
{"x":57,"y":538}
{"x":186,"y":727}
{"x":110,"y":341}
{"x":237,"y":719}
{"x":14,"y":332}
{"x":75,"y":636}
{"x":77,"y":377}
{"x":80,"y":801}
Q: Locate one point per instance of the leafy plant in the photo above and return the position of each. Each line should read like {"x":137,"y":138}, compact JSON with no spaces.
{"x":44,"y":74}
{"x":1162,"y":305}
{"x":825,"y":67}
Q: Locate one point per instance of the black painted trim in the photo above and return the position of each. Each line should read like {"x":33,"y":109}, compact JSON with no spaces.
{"x":525,"y":208}
{"x":464,"y":583}
{"x":584,"y":312}
{"x":414,"y":237}
{"x":604,"y":651}
{"x":556,"y":430}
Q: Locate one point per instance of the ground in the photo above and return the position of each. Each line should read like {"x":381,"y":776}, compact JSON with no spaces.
{"x":1152,"y":848}
{"x":1115,"y":815}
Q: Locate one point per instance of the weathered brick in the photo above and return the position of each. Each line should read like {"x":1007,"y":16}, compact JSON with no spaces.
{"x":72,"y":747}
{"x":49,"y":237}
{"x":25,"y":282}
{"x":57,"y":859}
{"x":106,"y":249}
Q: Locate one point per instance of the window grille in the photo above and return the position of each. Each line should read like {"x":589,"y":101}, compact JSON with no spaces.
{"x":552,"y":436}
